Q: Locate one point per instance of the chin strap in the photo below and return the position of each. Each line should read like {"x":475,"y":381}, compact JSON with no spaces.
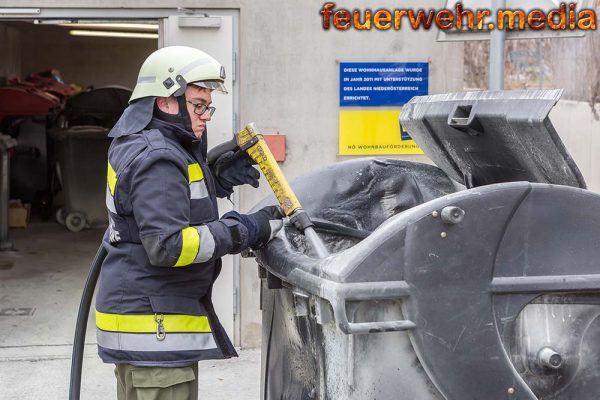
{"x":186,"y":120}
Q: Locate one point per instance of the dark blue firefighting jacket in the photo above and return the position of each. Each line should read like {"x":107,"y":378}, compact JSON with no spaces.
{"x":164,"y":243}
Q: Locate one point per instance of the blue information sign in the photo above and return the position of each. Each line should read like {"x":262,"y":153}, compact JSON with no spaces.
{"x":369,"y":84}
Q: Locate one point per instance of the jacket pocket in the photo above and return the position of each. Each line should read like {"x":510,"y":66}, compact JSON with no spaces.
{"x":176,"y":305}
{"x":201,"y":210}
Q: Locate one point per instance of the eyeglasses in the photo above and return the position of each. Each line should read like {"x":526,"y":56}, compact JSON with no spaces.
{"x":200,"y":109}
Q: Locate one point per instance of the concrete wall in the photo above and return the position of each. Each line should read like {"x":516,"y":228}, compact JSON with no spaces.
{"x":289,"y":83}
{"x":579,"y":130}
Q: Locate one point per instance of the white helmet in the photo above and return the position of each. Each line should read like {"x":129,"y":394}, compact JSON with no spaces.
{"x":169,"y":70}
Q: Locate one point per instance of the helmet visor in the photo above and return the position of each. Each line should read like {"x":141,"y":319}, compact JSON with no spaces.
{"x":212,"y":85}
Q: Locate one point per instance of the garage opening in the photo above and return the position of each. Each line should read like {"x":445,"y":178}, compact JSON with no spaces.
{"x":63,"y":85}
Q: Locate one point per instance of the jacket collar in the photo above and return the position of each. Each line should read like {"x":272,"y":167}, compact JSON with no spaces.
{"x":172,"y":130}
{"x":177,"y":132}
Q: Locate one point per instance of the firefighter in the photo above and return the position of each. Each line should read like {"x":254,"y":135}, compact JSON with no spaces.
{"x":154,"y":315}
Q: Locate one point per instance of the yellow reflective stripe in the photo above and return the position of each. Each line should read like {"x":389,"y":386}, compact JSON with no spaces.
{"x":190,"y":243}
{"x":147,"y":323}
{"x":111,"y":177}
{"x":195,"y":173}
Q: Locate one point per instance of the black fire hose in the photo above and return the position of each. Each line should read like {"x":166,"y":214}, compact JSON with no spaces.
{"x":81,"y":325}
{"x":339,"y":229}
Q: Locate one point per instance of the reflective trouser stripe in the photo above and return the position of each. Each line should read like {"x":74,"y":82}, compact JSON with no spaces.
{"x":147,"y":323}
{"x":190,"y":243}
{"x":207,"y":244}
{"x":110,"y":201}
{"x":198,"y":190}
{"x":148,"y":341}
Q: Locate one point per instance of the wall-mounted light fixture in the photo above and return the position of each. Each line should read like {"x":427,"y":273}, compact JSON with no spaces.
{"x":114,"y":34}
{"x":114,"y":26}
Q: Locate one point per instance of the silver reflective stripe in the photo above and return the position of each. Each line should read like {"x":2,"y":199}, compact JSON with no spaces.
{"x":110,"y":201}
{"x":198,"y":190}
{"x":193,"y":65}
{"x":207,"y":244}
{"x":148,"y":341}
{"x":146,"y":79}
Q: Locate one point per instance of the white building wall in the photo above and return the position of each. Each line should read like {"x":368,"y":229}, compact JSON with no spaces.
{"x":579,"y":130}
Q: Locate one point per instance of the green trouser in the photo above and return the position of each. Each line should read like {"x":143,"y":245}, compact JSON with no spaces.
{"x":156,"y":383}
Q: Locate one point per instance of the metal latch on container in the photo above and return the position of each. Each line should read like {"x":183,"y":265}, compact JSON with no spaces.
{"x":464,"y":118}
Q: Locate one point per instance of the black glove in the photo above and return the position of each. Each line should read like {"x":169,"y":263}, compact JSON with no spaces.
{"x":262,"y":225}
{"x":230,"y":172}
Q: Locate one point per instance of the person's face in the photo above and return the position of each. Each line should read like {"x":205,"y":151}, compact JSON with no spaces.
{"x":196,"y":95}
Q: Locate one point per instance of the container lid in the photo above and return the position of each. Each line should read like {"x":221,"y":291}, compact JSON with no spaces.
{"x":88,"y":132}
{"x":481,"y":138}
{"x":102,"y":106}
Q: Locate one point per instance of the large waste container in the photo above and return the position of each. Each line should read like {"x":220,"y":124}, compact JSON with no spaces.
{"x":83,"y":145}
{"x":488,"y":292}
{"x":24,"y":110}
{"x":82,"y":159}
{"x":100,"y":107}
{"x":30,"y":178}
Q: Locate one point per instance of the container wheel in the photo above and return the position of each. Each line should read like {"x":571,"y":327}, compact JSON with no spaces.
{"x":75,"y":221}
{"x":61,"y":215}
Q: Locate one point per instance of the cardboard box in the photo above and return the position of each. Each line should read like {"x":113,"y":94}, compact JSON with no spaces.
{"x":18,"y":214}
